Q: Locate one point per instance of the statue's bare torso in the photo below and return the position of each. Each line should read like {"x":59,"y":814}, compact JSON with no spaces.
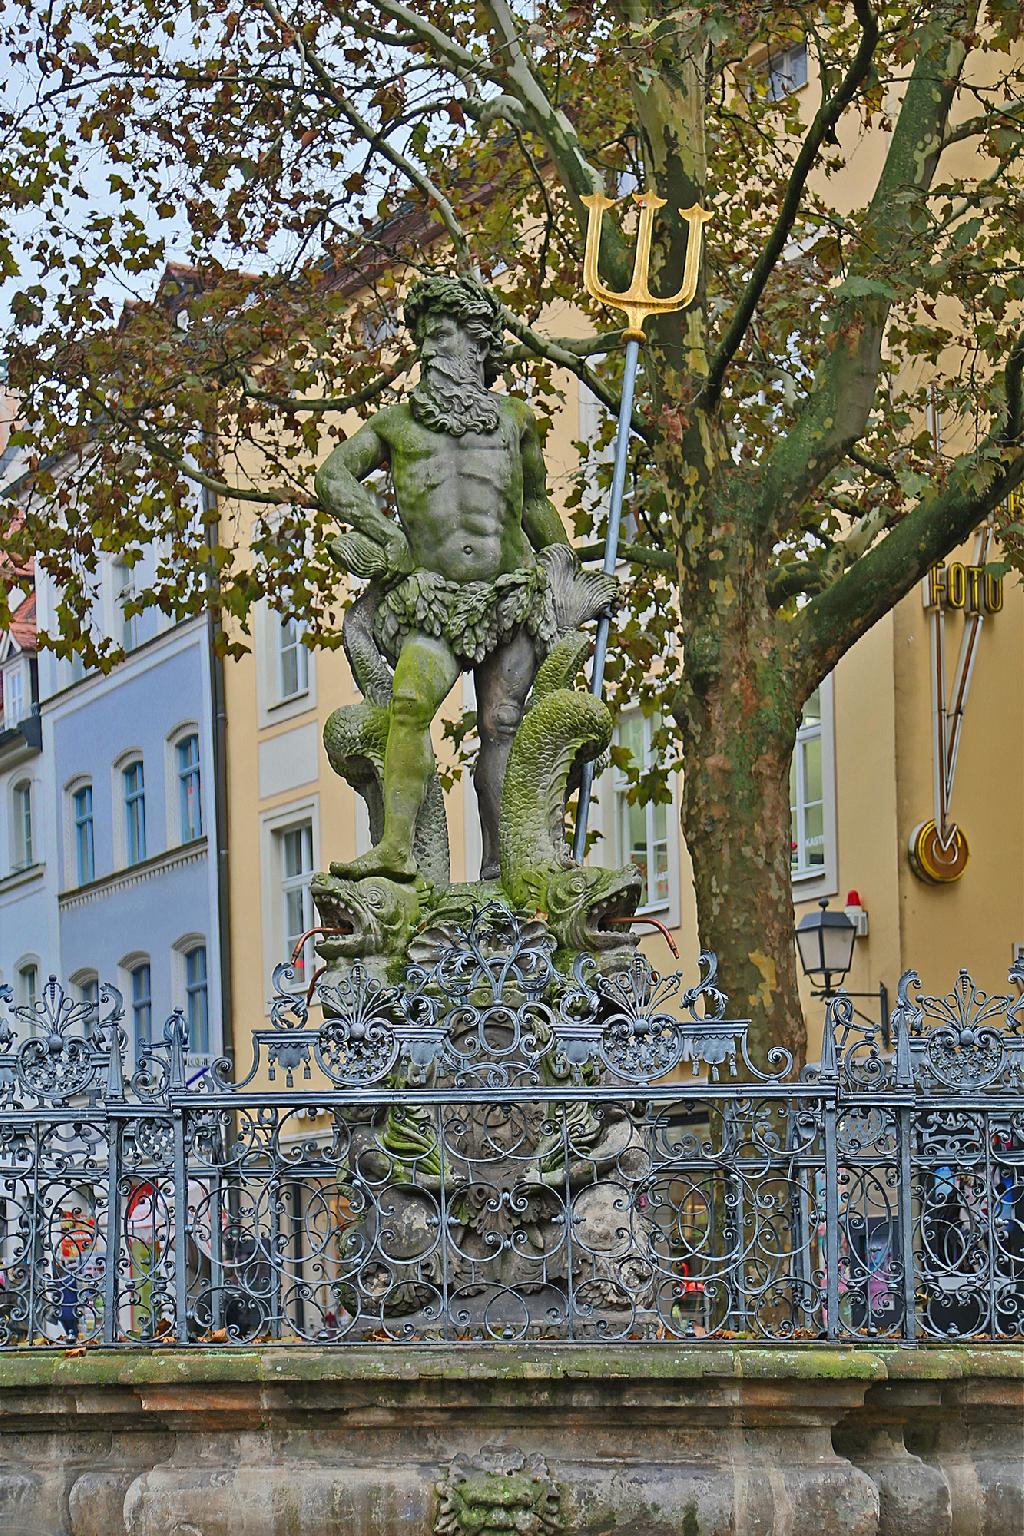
{"x":460,"y":499}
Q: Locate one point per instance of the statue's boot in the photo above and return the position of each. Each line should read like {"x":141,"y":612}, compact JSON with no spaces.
{"x":393,"y":863}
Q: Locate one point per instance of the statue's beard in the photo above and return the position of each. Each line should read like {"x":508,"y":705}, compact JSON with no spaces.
{"x":450,"y":398}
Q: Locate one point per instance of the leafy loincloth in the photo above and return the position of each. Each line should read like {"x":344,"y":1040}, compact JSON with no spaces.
{"x":474,"y":617}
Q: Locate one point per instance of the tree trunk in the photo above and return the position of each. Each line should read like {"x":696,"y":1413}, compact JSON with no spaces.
{"x":740,"y":731}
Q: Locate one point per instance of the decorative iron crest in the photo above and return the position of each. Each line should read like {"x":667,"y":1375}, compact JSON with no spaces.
{"x":67,"y":1047}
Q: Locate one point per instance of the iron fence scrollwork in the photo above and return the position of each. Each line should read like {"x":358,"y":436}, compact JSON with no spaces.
{"x":500,"y":1150}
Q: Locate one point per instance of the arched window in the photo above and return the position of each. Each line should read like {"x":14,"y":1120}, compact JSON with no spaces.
{"x":83,"y":839}
{"x":134,"y":788}
{"x":87,"y":985}
{"x":190,"y":808}
{"x":27,"y":988}
{"x":141,"y":995}
{"x":22,"y":851}
{"x":197,"y":1001}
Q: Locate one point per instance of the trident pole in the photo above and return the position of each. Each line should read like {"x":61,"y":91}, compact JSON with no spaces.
{"x":611,"y":554}
{"x":637,"y":302}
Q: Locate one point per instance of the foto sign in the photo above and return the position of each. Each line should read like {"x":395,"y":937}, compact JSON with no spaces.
{"x":968,"y":588}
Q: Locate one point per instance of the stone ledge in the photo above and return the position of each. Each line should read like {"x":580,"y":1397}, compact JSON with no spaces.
{"x":281,"y":1364}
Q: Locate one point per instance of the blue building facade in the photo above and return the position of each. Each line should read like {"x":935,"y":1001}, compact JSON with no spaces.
{"x":130,"y":786}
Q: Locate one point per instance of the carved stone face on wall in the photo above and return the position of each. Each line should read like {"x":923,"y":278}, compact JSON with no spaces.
{"x":501,"y":1491}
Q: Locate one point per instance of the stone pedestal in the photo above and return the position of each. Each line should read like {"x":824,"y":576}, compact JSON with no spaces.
{"x":394,"y":1440}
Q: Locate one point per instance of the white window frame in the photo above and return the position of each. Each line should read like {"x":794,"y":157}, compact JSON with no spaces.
{"x":271,"y":708}
{"x":119,"y":805}
{"x":18,"y":672}
{"x":780,"y":79}
{"x":618,"y":785}
{"x":272,"y":825}
{"x":128,"y":967}
{"x":812,"y":884}
{"x":604,"y":810}
{"x":24,"y":849}
{"x":124,"y":630}
{"x":73,"y":877}
{"x":289,"y":625}
{"x":184,"y":948}
{"x":173,"y":778}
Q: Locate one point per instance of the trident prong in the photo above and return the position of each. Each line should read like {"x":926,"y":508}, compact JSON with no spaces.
{"x":638,"y":301}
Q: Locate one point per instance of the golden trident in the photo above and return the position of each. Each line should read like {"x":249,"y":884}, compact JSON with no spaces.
{"x":638,"y":302}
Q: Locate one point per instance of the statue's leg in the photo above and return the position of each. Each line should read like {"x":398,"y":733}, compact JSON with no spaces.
{"x":424,"y":676}
{"x":503,"y":681}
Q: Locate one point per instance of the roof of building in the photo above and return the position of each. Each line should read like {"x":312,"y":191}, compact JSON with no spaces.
{"x":23,"y":624}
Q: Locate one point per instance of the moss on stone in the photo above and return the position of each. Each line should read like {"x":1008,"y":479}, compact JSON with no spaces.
{"x":501,"y":1364}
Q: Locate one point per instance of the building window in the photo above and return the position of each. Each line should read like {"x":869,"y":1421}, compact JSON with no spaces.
{"x":28,"y":984}
{"x":786,"y":72}
{"x":295,"y":856}
{"x":190,"y":808}
{"x":14,"y":696}
{"x":134,"y":813}
{"x":89,"y":990}
{"x":22,"y":852}
{"x":142,"y":1008}
{"x":197,"y":1006}
{"x":641,"y":831}
{"x":292,"y":661}
{"x":85,"y":847}
{"x":807,"y":793}
{"x":124,"y":592}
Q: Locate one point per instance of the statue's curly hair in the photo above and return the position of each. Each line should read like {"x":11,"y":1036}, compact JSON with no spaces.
{"x":469,"y":302}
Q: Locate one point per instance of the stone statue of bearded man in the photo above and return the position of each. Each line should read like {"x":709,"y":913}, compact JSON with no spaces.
{"x":464,"y":569}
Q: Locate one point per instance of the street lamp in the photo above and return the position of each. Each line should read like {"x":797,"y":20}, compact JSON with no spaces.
{"x":824,"y":941}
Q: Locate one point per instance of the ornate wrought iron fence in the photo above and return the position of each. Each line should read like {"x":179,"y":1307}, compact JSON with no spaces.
{"x":497,"y":1151}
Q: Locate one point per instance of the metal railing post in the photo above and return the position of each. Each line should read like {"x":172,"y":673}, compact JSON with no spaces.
{"x":111,"y":1299}
{"x":180,"y":1226}
{"x":831,"y":1219}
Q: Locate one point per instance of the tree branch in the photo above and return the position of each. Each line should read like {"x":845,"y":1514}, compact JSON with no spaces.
{"x":555,"y":132}
{"x":874,"y":466}
{"x":156,"y":445}
{"x":564,"y":357}
{"x":822,"y":127}
{"x":416,"y":175}
{"x":586,"y":346}
{"x":633,"y":554}
{"x":329,"y":402}
{"x":940,"y":521}
{"x":840,"y":399}
{"x":1013,"y":112}
{"x":441,"y":43}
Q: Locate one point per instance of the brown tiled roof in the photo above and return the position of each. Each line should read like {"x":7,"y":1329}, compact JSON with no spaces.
{"x":23,"y":624}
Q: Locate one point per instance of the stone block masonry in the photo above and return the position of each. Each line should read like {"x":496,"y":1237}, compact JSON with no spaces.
{"x":432,"y":1440}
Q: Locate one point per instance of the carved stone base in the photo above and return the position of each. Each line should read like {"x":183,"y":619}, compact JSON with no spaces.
{"x":443,"y":1441}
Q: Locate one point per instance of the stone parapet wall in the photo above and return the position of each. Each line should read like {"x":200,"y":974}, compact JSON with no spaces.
{"x":395,"y":1440}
